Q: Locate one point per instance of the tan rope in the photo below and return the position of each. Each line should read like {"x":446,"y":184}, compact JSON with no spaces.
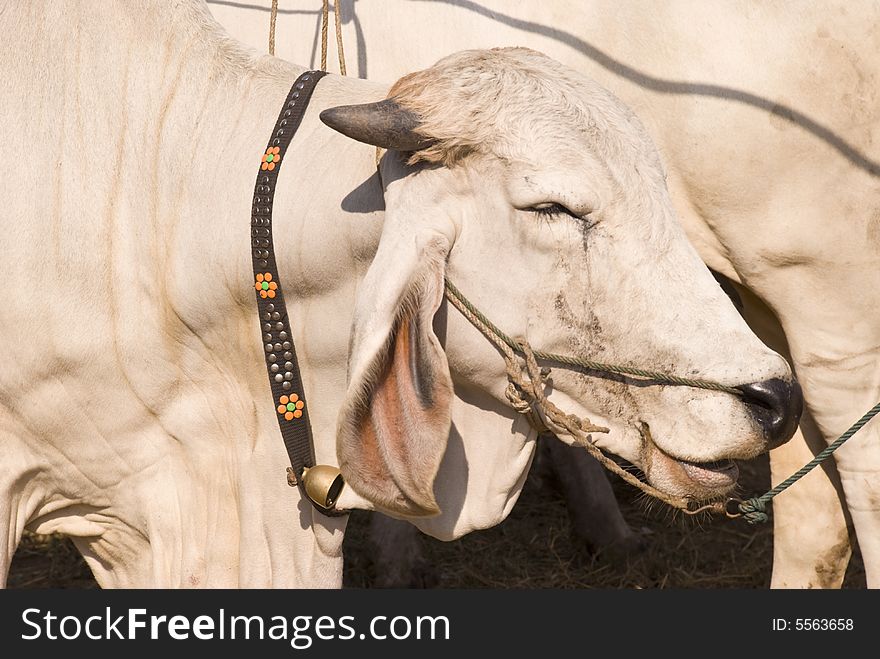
{"x":325,"y":20}
{"x":525,"y":392}
{"x":325,"y":23}
{"x":273,"y":16}
{"x":339,"y":50}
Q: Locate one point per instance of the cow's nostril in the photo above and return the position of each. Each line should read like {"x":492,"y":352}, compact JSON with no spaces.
{"x":776,"y":405}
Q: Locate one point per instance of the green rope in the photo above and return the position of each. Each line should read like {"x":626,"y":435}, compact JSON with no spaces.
{"x":754,"y":509}
{"x":662,"y":378}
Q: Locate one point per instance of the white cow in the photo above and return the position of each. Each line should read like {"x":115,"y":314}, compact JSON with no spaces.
{"x":767,"y":121}
{"x":134,"y":410}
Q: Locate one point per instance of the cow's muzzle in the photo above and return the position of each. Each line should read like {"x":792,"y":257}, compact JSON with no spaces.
{"x":776,"y":405}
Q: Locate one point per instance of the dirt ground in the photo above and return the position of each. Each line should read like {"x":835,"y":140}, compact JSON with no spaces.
{"x":533,"y":548}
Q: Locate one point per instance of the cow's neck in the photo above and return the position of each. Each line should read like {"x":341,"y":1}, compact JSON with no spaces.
{"x":170,"y":122}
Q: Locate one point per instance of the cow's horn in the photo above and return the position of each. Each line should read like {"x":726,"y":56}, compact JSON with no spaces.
{"x":384,"y":124}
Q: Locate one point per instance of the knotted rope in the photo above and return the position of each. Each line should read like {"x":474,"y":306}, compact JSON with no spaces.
{"x":525,"y":391}
{"x":495,"y":334}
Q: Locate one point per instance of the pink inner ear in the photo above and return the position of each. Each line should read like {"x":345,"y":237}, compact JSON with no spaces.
{"x":404,"y":429}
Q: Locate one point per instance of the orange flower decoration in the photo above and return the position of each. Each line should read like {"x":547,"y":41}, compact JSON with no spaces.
{"x":265,"y":286}
{"x":291,"y":407}
{"x":271,"y":158}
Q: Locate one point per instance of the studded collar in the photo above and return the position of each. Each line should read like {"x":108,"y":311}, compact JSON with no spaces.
{"x":285,"y":381}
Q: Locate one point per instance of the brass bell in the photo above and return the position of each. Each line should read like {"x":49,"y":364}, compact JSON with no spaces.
{"x":322,"y":485}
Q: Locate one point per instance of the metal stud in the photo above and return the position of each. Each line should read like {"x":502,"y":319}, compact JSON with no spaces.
{"x":291,"y":104}
{"x":267,"y":336}
{"x":267,"y":327}
{"x":288,"y":355}
{"x":274,"y":368}
{"x":280,"y":326}
{"x":287,"y":113}
{"x":306,"y":78}
{"x":299,"y":85}
{"x":276,"y":142}
{"x":287,"y":376}
{"x":272,"y":357}
{"x":280,"y":132}
{"x":265,"y":179}
{"x":286,"y":386}
{"x":288,"y":366}
{"x":267,"y":316}
{"x":296,"y":94}
{"x":264,"y":242}
{"x":282,"y":335}
{"x":279,"y":378}
{"x":270,"y":307}
{"x":276,"y":316}
{"x":286,"y":345}
{"x":269,"y":347}
{"x":263,"y":263}
{"x":277,"y":347}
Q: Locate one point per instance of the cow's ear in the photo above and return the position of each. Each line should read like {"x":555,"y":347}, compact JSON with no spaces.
{"x":395,"y":421}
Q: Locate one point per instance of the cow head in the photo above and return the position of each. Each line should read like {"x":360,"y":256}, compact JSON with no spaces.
{"x":543,"y":199}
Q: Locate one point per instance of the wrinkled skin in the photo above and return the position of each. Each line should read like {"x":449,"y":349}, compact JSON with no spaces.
{"x":133,"y":408}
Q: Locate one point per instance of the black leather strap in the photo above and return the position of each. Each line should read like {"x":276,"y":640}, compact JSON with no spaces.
{"x":291,"y":408}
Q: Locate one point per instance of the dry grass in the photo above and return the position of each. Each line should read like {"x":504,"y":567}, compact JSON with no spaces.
{"x":534,"y":548}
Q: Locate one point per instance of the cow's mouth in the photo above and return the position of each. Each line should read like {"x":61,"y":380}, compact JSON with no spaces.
{"x":687,"y":478}
{"x":719,"y":473}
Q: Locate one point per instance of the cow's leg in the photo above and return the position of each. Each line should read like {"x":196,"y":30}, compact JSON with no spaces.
{"x":11,"y":527}
{"x":398,"y":554}
{"x":811,"y":538}
{"x":835,"y":358}
{"x":843,"y":397}
{"x":595,"y":515}
{"x":18,"y":497}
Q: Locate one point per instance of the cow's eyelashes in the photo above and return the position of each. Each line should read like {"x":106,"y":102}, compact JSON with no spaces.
{"x":552,"y":209}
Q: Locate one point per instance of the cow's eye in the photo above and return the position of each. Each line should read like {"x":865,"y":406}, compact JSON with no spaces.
{"x":551,"y":209}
